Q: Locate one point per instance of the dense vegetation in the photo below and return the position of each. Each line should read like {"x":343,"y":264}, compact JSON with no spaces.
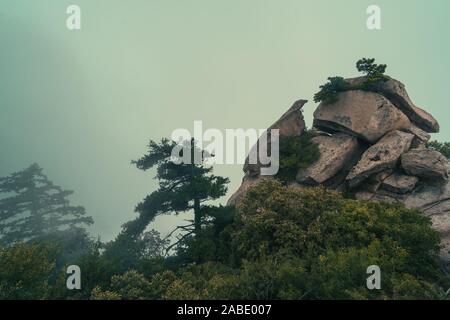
{"x":374,"y":73}
{"x":280,"y":242}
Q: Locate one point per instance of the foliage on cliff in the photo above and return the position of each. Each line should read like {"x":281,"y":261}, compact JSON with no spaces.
{"x":280,"y":243}
{"x":374,"y":73}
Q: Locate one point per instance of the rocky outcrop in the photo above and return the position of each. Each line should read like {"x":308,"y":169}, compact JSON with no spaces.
{"x":395,"y":91}
{"x":290,"y":124}
{"x":365,"y":115}
{"x":373,"y":145}
{"x":380,"y":157}
{"x":336,"y":152}
{"x":425,"y":163}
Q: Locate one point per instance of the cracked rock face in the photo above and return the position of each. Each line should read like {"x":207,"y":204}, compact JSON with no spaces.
{"x":336,"y":153}
{"x":380,"y":157}
{"x":366,"y":115}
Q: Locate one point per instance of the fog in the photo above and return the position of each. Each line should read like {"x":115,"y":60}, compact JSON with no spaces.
{"x":84,"y":103}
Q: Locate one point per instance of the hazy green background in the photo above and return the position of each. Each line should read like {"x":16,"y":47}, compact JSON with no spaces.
{"x":84,"y":103}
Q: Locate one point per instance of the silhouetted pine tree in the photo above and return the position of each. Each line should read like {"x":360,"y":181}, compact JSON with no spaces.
{"x":182,"y":187}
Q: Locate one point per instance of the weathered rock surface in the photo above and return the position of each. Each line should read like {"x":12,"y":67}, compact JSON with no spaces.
{"x":395,"y":91}
{"x":425,"y":163}
{"x":290,"y":124}
{"x":420,"y":137}
{"x":366,"y":115}
{"x":381,"y":156}
{"x":374,"y":183}
{"x":430,"y":199}
{"x":399,"y":183}
{"x":336,"y":152}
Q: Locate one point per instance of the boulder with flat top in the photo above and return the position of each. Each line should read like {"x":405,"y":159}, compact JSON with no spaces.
{"x":365,"y":115}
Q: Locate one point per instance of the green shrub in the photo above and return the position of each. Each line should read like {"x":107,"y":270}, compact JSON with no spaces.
{"x":25,"y":270}
{"x":99,"y":294}
{"x":328,"y":92}
{"x":315,"y":244}
{"x":296,"y":153}
{"x":374,"y":73}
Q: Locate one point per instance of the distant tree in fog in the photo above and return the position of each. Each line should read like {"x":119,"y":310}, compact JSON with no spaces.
{"x":32,"y":206}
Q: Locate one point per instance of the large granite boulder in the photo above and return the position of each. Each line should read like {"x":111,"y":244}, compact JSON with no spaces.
{"x":290,"y":124}
{"x":395,"y":91}
{"x":366,"y":115}
{"x":425,"y":163}
{"x":337,"y":153}
{"x":381,"y":156}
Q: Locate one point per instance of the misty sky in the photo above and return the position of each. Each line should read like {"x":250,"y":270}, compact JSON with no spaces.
{"x":83,"y":104}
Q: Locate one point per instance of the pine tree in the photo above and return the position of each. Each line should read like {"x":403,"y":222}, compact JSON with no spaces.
{"x":373,"y":71}
{"x":31,"y":206}
{"x":182,"y":187}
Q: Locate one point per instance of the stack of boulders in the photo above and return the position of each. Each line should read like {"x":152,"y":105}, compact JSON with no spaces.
{"x":372,"y":144}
